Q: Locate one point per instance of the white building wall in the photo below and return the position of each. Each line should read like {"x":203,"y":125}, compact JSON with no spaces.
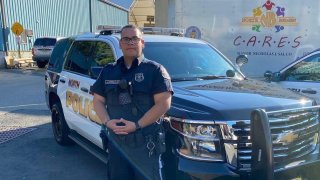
{"x":221,"y":23}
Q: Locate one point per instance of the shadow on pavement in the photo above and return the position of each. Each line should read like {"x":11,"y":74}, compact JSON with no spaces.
{"x":22,"y":71}
{"x":36,"y":155}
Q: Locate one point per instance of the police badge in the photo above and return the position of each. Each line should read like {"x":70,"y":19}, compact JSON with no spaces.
{"x":139,"y":77}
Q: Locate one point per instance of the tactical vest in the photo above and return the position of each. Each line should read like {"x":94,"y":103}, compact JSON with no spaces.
{"x":128,"y":94}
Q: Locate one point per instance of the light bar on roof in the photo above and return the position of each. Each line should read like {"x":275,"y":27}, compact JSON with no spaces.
{"x":145,"y":30}
{"x":106,"y":27}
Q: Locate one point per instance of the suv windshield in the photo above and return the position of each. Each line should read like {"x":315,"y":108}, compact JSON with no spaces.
{"x":189,"y":61}
{"x":45,"y":42}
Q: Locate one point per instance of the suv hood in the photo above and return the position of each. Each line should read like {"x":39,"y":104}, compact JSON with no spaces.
{"x":230,"y":99}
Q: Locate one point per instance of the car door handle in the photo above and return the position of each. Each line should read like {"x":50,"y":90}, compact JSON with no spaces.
{"x":84,"y":89}
{"x":309,"y":91}
{"x":62,"y":80}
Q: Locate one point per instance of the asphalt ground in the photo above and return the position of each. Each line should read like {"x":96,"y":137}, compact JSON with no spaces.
{"x":27,"y":146}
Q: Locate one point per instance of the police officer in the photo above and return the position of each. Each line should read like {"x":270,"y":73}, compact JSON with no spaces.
{"x":130,"y":97}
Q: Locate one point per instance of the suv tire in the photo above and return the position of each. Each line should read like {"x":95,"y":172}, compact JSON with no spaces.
{"x":59,"y":126}
{"x":41,"y":64}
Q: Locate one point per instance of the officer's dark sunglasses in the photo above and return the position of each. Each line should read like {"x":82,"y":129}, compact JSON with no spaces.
{"x":128,"y":40}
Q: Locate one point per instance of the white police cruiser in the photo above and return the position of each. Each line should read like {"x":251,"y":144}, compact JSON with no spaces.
{"x":302,"y":75}
{"x":220,"y":124}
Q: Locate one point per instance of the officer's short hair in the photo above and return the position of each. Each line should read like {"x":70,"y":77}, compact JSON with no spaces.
{"x":130,"y":26}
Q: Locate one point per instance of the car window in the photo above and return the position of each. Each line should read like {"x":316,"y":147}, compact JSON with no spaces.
{"x":188,"y":59}
{"x":58,"y":54}
{"x":80,"y":57}
{"x":45,"y":42}
{"x":306,"y":70}
{"x":103,"y":54}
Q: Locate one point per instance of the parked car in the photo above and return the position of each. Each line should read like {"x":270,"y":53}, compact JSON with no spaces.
{"x":213,"y":128}
{"x":302,"y":76}
{"x":42,"y":49}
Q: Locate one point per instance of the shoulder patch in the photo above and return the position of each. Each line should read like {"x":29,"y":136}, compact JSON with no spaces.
{"x":164,"y":72}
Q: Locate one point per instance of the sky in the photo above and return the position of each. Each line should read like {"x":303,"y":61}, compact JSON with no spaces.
{"x":123,"y":3}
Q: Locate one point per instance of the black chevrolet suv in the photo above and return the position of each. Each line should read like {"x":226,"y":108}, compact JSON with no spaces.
{"x":220,"y":125}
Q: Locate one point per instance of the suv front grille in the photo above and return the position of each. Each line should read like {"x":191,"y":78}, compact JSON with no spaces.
{"x":294,"y":134}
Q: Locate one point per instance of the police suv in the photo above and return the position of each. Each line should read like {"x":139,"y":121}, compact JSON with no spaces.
{"x":302,"y":75}
{"x":220,"y":125}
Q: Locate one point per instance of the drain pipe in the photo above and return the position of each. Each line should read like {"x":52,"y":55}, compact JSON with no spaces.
{"x":90,"y":15}
{"x":4,"y":26}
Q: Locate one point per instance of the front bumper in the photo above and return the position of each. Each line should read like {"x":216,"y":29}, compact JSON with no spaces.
{"x":289,"y":153}
{"x":305,"y":168}
{"x":191,"y":169}
{"x":205,"y":170}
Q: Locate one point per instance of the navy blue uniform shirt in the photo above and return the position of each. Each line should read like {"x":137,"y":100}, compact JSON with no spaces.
{"x":134,"y":97}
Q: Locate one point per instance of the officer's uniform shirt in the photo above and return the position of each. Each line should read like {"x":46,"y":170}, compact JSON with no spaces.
{"x":144,"y":79}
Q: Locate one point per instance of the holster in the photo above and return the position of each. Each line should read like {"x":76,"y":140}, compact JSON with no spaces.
{"x":158,"y":139}
{"x":160,"y":142}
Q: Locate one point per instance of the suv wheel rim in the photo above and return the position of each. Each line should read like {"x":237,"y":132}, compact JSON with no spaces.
{"x":57,"y":124}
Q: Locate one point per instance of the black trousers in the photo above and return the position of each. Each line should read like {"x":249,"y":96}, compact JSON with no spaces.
{"x":129,"y":158}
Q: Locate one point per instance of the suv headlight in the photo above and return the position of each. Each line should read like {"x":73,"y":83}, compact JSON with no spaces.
{"x":200,"y":140}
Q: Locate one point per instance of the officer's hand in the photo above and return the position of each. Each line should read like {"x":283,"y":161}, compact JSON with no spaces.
{"x":113,"y":125}
{"x":124,"y":127}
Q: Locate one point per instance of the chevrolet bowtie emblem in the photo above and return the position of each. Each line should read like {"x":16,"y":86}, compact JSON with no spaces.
{"x":286,"y":137}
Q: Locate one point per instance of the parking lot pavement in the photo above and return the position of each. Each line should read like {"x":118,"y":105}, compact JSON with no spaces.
{"x":34,"y":154}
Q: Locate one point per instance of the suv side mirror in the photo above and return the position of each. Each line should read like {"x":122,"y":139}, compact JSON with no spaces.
{"x":230,"y":73}
{"x":241,"y":60}
{"x":95,"y":71}
{"x":269,"y":76}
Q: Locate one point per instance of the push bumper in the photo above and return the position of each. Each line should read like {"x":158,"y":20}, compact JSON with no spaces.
{"x":263,"y":165}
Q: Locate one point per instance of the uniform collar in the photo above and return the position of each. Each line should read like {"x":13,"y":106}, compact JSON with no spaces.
{"x":135,"y":63}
